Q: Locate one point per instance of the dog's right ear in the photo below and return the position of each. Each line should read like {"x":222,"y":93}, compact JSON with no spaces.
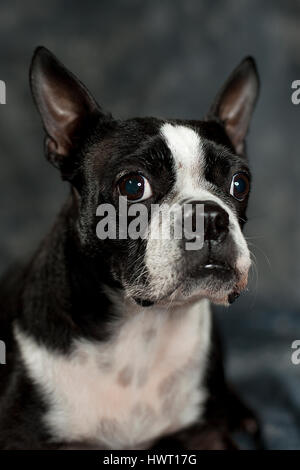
{"x":65,"y":105}
{"x":235,"y":103}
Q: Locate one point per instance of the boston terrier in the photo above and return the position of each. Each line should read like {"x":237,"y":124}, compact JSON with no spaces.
{"x":111,"y":342}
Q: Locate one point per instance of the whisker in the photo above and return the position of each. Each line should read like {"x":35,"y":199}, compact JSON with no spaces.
{"x":262,"y":252}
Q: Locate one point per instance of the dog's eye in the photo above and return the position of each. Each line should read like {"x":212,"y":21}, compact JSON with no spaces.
{"x":239,"y":186}
{"x":135,"y":187}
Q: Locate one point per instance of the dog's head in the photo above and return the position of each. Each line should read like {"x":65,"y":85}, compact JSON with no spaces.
{"x":155,"y":163}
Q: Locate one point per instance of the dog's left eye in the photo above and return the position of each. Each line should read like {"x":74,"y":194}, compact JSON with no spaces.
{"x":240,"y":186}
{"x":135,"y":187}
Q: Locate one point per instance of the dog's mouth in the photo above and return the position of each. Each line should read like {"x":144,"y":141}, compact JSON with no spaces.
{"x":216,"y":269}
{"x":215,"y":280}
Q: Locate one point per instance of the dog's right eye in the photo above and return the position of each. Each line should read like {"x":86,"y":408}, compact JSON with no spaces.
{"x":135,"y":187}
{"x":240,"y":186}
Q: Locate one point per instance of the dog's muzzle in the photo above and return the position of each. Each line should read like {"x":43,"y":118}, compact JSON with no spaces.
{"x":213,"y":264}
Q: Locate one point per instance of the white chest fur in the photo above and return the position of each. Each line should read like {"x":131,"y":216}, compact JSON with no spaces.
{"x":145,"y":382}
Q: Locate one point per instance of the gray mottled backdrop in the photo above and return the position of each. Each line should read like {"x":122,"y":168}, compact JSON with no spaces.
{"x":168,"y":58}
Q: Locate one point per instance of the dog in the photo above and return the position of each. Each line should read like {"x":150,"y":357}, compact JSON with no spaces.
{"x":111,"y":343}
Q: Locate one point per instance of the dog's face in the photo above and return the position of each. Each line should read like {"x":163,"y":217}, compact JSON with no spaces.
{"x":155,"y":162}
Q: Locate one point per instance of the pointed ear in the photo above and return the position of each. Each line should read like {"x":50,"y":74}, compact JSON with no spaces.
{"x":65,"y":105}
{"x":235,"y":102}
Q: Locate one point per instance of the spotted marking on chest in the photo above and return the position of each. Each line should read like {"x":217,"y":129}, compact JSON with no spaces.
{"x":144,"y":383}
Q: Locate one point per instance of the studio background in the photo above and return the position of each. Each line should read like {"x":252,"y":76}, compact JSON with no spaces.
{"x":168,"y":58}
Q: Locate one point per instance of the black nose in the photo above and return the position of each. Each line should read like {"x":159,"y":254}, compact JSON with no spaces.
{"x":216,"y":222}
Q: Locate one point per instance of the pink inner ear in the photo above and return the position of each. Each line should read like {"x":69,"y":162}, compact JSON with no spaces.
{"x":236,"y":128}
{"x":235,"y":111}
{"x":51,"y":145}
{"x":61,"y":118}
{"x":61,"y":146}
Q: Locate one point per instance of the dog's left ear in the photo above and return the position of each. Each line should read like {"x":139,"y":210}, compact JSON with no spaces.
{"x":66,"y":107}
{"x":235,"y":102}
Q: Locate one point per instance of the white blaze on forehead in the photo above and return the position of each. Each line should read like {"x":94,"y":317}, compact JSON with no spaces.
{"x":187,"y":150}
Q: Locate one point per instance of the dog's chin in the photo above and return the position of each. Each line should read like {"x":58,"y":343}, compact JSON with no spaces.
{"x":219,"y":283}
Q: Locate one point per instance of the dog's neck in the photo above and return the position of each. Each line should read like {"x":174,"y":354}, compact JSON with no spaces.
{"x":64,"y":287}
